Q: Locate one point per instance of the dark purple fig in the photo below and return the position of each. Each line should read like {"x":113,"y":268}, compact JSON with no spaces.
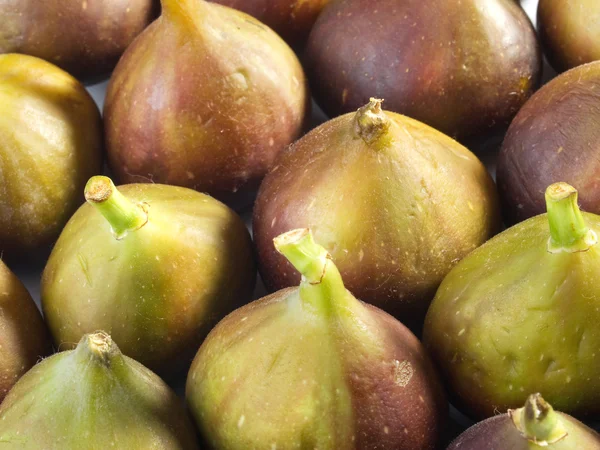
{"x":205,"y":98}
{"x":313,"y":367}
{"x":533,"y":427}
{"x":23,"y":334}
{"x":520,"y":314}
{"x":84,"y":37}
{"x":94,"y":397}
{"x":569,"y":31}
{"x":555,"y":137}
{"x":155,"y":266}
{"x":461,"y":66}
{"x":50,"y":144}
{"x":394,"y":201}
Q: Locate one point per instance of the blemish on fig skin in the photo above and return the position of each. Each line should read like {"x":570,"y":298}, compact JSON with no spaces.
{"x":403,"y":372}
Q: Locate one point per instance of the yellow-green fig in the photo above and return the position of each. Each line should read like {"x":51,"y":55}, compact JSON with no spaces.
{"x":313,"y":367}
{"x":520,"y":314}
{"x":93,"y":398}
{"x":155,"y":266}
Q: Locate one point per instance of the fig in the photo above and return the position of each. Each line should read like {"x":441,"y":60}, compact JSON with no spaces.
{"x":205,"y":98}
{"x":520,"y":314}
{"x":531,"y":427}
{"x":395,"y":202}
{"x":569,"y":32}
{"x":462,"y":67}
{"x":555,"y":137}
{"x":154,"y":266}
{"x":24,"y":337}
{"x":50,"y":144}
{"x":85,"y":38}
{"x":93,"y":397}
{"x":313,"y":367}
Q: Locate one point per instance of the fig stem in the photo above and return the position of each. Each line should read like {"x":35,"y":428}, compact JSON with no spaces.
{"x":538,"y":422}
{"x":371,"y":123}
{"x":99,"y":346}
{"x":122,"y":215}
{"x":568,"y":229}
{"x":321,"y":285}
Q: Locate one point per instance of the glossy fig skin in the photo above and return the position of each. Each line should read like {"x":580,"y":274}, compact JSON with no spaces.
{"x":205,"y":98}
{"x":50,"y":144}
{"x":554,"y":138}
{"x":24,"y":337}
{"x":85,"y":38}
{"x":569,"y":32}
{"x":159,"y":290}
{"x":91,"y":399}
{"x":464,"y":69}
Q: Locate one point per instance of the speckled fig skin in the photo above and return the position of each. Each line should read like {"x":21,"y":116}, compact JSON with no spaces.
{"x":159,"y":289}
{"x":555,"y":137}
{"x":313,"y":367}
{"x":84,"y":37}
{"x":50,"y":144}
{"x":462,"y":67}
{"x":569,"y":32}
{"x":291,"y":19}
{"x":396,"y":214}
{"x":205,"y":98}
{"x":93,"y":398}
{"x":24,"y":338}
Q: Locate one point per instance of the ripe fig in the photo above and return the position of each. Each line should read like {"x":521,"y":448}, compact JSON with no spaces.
{"x":460,"y":66}
{"x":85,"y":38}
{"x":569,"y":32}
{"x":50,"y":144}
{"x":555,"y":137}
{"x":394,"y":201}
{"x":24,"y":337}
{"x":155,"y":266}
{"x":93,"y":397}
{"x":520,"y":314}
{"x":205,"y":98}
{"x":532,"y":427}
{"x":313,"y":367}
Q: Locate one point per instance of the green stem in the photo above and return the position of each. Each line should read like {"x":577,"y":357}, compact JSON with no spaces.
{"x":321,"y":285}
{"x":123,"y":215}
{"x":568,"y":230}
{"x":99,"y":347}
{"x":183,"y":9}
{"x":372,"y":124}
{"x":538,"y":422}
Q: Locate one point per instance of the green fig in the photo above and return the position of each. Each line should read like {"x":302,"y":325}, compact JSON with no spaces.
{"x":520,"y":314}
{"x":24,"y":337}
{"x":395,"y":202}
{"x":93,"y":398}
{"x":50,"y":144}
{"x":155,"y":266}
{"x":312,"y":367}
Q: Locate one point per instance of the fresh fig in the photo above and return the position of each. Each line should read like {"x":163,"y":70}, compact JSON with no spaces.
{"x":313,"y":367}
{"x":85,"y":38}
{"x":532,"y":427}
{"x":555,"y":137}
{"x":93,"y":397}
{"x":520,"y":314}
{"x":155,"y":266}
{"x":461,"y":66}
{"x":50,"y":144}
{"x":205,"y":98}
{"x":24,"y":337}
{"x":394,"y":201}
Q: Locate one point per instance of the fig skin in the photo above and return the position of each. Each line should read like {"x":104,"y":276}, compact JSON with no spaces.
{"x":85,"y":38}
{"x":569,"y":32}
{"x":313,"y":367}
{"x":205,"y":98}
{"x":24,"y":337}
{"x":396,"y":214}
{"x":94,"y":397}
{"x":520,"y":315}
{"x":50,"y":144}
{"x":160,"y":288}
{"x":464,"y":69}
